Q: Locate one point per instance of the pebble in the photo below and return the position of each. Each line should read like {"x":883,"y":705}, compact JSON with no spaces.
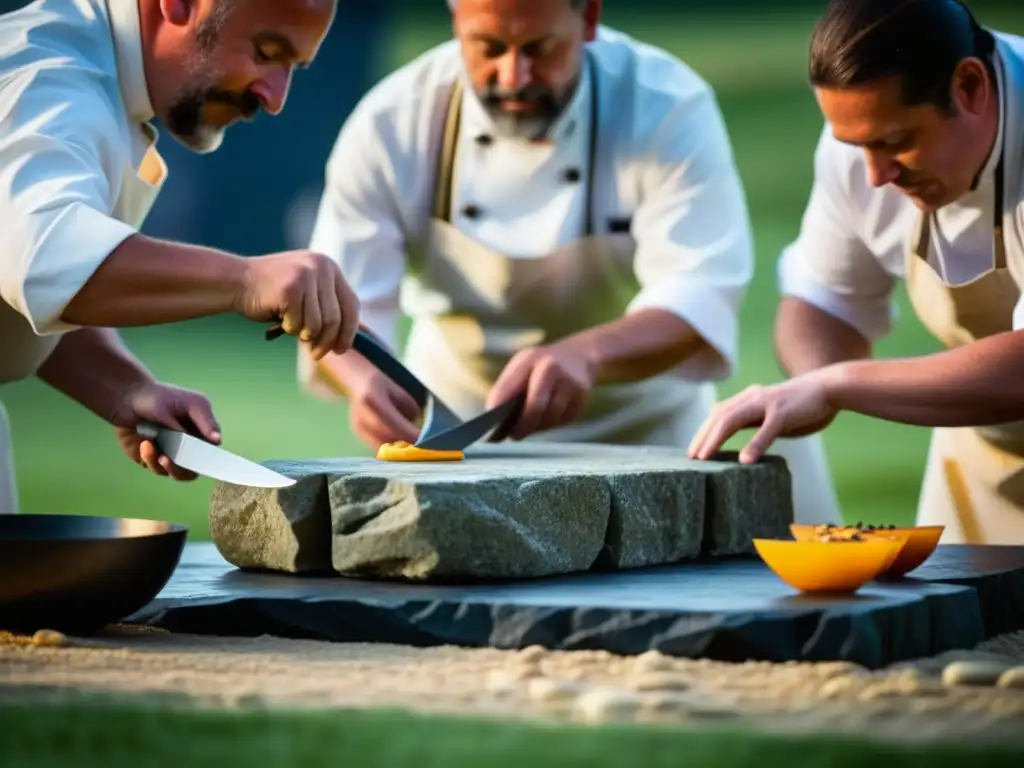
{"x":838,"y":686}
{"x":601,"y":705}
{"x":49,"y":638}
{"x":1012,"y":678}
{"x":661,"y":681}
{"x":879,"y":690}
{"x":652,"y":661}
{"x":973,"y":672}
{"x":532,"y":654}
{"x":551,"y":689}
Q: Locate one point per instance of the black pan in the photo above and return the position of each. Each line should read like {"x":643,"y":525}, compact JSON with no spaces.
{"x":77,"y":574}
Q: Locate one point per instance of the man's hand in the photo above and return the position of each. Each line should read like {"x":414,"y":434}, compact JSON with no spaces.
{"x":307,"y":293}
{"x":794,"y":408}
{"x":171,"y":407}
{"x":381,"y":412}
{"x":556,"y":380}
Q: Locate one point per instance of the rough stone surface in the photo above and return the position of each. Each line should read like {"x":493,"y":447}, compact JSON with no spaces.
{"x":282,"y":530}
{"x":746,"y":502}
{"x":508,"y":511}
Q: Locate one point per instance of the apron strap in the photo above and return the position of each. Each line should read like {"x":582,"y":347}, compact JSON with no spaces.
{"x":450,"y":142}
{"x":446,"y":160}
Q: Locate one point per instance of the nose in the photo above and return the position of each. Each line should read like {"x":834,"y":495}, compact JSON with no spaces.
{"x":514,"y":71}
{"x":272,"y":90}
{"x":882,"y":169}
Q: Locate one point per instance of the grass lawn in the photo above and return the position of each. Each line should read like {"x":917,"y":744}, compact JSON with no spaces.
{"x":110,"y":737}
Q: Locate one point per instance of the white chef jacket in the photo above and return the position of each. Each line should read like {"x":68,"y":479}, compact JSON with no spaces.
{"x":853,"y":239}
{"x":73,"y":100}
{"x":670,"y":158}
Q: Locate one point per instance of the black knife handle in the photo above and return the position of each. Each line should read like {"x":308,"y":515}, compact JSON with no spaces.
{"x":384,"y":361}
{"x":147,"y":430}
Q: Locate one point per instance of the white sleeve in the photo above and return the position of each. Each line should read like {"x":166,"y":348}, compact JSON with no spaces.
{"x":1018,"y":314}
{"x":828,"y":265}
{"x":695,"y":253}
{"x":358,"y":225}
{"x":60,"y":174}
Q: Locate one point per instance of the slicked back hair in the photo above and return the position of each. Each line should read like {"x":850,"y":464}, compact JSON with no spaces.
{"x":920,"y":41}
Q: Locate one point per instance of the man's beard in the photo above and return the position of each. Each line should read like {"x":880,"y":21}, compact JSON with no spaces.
{"x":185,"y":118}
{"x":531,"y":126}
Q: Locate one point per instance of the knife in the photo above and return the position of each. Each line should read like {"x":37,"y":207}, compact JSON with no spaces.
{"x":438,"y":418}
{"x":461,"y":437}
{"x":442,"y":429}
{"x":209,"y":460}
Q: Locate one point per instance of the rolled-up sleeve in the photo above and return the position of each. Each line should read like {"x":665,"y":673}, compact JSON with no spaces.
{"x":58,"y":154}
{"x":358,"y":225}
{"x":828,"y":266}
{"x":695,"y":253}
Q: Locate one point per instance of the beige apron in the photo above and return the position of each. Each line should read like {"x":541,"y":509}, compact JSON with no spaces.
{"x":489,"y":305}
{"x":974,"y":478}
{"x":495,"y":305}
{"x":23,"y":351}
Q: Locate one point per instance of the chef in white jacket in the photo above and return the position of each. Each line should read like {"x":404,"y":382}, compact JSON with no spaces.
{"x":919,"y":177}
{"x":80,"y":83}
{"x":557,"y":208}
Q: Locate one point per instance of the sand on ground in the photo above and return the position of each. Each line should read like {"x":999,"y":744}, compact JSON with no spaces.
{"x":975,"y":695}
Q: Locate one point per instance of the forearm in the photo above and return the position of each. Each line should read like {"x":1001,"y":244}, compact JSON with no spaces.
{"x":93,"y":367}
{"x":806,"y":338}
{"x":637,"y":346}
{"x":150,"y":282}
{"x":975,"y":385}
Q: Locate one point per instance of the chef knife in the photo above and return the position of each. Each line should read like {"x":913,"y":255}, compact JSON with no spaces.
{"x":438,"y":417}
{"x":209,"y":460}
{"x":461,"y":437}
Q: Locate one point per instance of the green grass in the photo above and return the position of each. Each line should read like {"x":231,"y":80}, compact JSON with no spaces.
{"x":67,"y":460}
{"x":101,"y":736}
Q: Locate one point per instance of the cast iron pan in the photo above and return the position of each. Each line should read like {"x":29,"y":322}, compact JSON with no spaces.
{"x":77,"y":574}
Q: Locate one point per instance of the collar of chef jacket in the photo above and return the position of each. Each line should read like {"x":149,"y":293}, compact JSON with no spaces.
{"x":131,"y":74}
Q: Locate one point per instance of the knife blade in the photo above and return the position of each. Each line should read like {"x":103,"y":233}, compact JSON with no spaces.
{"x":209,"y":460}
{"x":461,"y":437}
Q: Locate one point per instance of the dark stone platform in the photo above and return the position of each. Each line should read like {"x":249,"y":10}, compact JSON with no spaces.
{"x":729,"y":610}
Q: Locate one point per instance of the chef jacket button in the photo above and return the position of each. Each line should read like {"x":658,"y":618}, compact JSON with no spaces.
{"x":484,"y":140}
{"x":471,"y":211}
{"x":572,"y":175}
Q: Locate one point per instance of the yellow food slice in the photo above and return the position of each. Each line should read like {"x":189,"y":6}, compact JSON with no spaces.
{"x":403,"y":451}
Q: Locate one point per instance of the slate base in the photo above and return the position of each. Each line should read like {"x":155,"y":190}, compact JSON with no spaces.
{"x":730,"y":610}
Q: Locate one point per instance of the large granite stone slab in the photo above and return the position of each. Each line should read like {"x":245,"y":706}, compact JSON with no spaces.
{"x":509,"y":511}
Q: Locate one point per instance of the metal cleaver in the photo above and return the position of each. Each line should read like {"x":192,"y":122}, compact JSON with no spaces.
{"x":205,"y":458}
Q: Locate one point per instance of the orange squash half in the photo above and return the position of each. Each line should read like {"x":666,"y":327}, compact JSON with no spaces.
{"x":403,"y":451}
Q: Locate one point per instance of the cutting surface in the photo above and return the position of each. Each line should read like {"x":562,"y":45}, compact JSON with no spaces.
{"x":728,"y":610}
{"x":486,"y":461}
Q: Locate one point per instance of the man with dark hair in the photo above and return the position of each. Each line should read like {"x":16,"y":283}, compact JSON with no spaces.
{"x":557,"y":207}
{"x":80,"y":84}
{"x":919,"y":176}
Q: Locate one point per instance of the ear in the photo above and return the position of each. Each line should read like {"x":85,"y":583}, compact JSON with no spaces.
{"x":592,"y":17}
{"x":177,"y":12}
{"x":971,"y":86}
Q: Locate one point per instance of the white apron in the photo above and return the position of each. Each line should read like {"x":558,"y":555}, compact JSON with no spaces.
{"x":488,"y":306}
{"x":974,"y":478}
{"x":23,"y":351}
